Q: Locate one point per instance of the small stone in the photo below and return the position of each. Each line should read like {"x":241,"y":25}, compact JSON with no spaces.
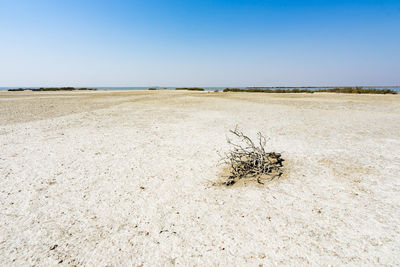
{"x":230,"y":182}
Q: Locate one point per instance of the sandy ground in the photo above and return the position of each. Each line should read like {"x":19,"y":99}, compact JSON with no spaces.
{"x":121,"y":178}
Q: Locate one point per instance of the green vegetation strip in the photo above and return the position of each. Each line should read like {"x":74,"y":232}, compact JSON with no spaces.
{"x":190,"y":89}
{"x":346,"y":90}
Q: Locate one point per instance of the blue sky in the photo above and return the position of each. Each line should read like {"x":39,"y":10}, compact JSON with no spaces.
{"x":199,"y":43}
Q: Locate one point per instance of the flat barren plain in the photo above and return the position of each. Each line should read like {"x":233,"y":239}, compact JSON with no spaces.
{"x":129,"y":178}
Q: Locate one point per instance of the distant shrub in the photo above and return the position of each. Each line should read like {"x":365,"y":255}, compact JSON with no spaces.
{"x":357,"y":90}
{"x":190,"y":88}
{"x":55,"y":89}
{"x":16,"y":90}
{"x":152,"y":89}
{"x":257,"y":90}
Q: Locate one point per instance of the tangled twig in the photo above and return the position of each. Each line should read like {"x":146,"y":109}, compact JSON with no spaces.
{"x":249,"y":159}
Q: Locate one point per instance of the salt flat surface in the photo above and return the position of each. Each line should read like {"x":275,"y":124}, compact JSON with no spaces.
{"x":118,"y":178}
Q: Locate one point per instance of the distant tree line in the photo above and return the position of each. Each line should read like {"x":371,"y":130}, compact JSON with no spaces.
{"x":258,"y":90}
{"x":346,"y":90}
{"x":357,"y":90}
{"x":190,"y":88}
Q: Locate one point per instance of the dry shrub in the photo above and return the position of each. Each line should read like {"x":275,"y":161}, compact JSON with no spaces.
{"x":249,"y":159}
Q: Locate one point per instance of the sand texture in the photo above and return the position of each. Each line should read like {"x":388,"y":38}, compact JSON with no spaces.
{"x":126,"y":178}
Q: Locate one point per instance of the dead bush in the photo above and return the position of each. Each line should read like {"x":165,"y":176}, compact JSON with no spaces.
{"x":249,"y":159}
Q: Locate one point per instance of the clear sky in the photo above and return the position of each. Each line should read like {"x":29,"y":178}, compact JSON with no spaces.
{"x":199,"y":43}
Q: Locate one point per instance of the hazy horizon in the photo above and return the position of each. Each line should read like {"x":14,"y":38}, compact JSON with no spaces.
{"x":199,"y":43}
{"x":199,"y":86}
